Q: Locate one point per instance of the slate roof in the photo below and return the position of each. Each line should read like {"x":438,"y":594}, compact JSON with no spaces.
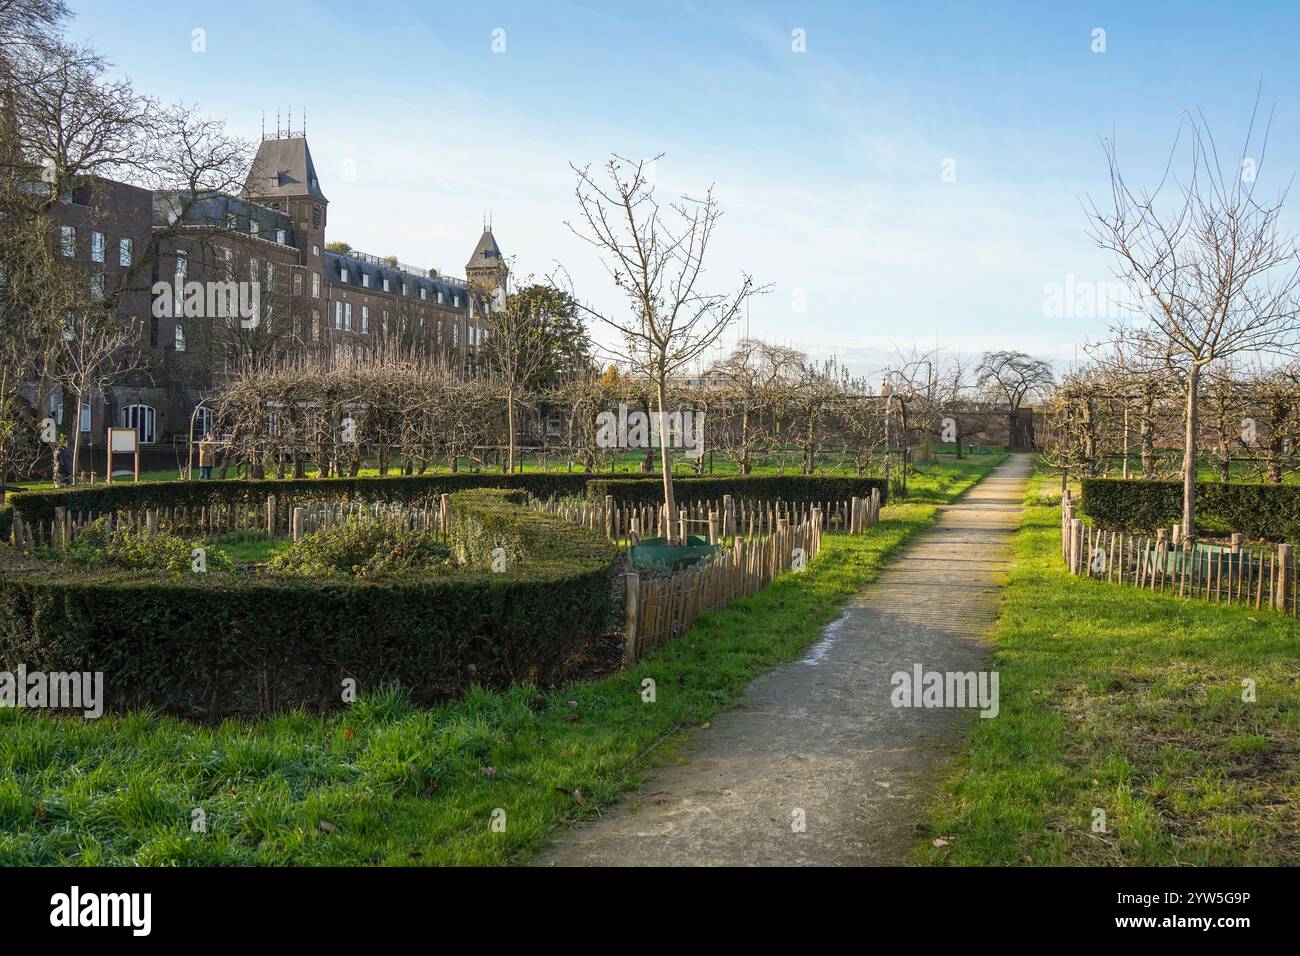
{"x":283,"y":167}
{"x":335,"y":262}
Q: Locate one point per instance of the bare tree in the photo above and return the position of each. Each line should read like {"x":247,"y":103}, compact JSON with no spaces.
{"x":1207,"y":263}
{"x":94,"y":349}
{"x":513,"y":352}
{"x":656,"y":257}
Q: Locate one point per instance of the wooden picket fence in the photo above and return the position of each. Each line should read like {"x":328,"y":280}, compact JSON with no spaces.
{"x":1256,"y":577}
{"x":269,"y":518}
{"x":718,"y":521}
{"x":658,"y":609}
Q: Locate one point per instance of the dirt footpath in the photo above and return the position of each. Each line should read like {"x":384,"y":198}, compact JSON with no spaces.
{"x":818,"y":740}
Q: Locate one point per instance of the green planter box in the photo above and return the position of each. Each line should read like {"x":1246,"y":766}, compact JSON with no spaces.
{"x":657,"y":551}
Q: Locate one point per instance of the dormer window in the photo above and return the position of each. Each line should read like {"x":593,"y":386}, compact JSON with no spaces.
{"x":252,"y":227}
{"x":343,"y":274}
{"x":365,"y":280}
{"x":424,"y":293}
{"x":386,"y":289}
{"x":279,"y":236}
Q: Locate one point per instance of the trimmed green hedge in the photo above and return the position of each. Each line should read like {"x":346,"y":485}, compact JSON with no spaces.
{"x":1258,"y":511}
{"x":784,"y":487}
{"x":102,"y":499}
{"x":99,"y":499}
{"x":241,"y":643}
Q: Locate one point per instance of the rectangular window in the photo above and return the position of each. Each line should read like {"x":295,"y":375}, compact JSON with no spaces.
{"x":365,"y":319}
{"x":97,"y":286}
{"x":385,"y":321}
{"x":365,"y":280}
{"x":232,"y":221}
{"x":68,"y":240}
{"x":424,"y":293}
{"x":270,"y":276}
{"x":124,"y":252}
{"x":315,"y":324}
{"x":315,"y":249}
{"x":252,"y":227}
{"x":386,"y":289}
{"x":315,"y":285}
{"x":343,"y":274}
{"x":180,"y":337}
{"x":279,"y":236}
{"x":338,"y":315}
{"x":85,"y":416}
{"x":297,"y":283}
{"x":252,"y":270}
{"x":182,"y":267}
{"x":347,"y":316}
{"x":96,"y":247}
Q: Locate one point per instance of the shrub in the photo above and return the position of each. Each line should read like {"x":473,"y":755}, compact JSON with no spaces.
{"x":215,"y":644}
{"x":363,"y":547}
{"x":139,"y":550}
{"x":1257,"y":511}
{"x":785,"y":487}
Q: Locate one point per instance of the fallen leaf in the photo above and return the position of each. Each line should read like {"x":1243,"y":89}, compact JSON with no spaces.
{"x":347,"y":733}
{"x":940,"y":841}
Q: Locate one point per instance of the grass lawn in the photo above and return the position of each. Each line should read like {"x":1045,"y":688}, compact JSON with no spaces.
{"x":1128,"y":702}
{"x":629,"y":464}
{"x":386,"y":783}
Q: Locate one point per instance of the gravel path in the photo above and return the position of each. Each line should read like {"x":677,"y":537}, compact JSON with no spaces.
{"x":819,"y":736}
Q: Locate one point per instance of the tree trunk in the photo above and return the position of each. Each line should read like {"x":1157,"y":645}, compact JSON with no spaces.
{"x":670,"y":505}
{"x":76,"y":436}
{"x":510,"y":430}
{"x":1126,"y":437}
{"x":1189,"y":455}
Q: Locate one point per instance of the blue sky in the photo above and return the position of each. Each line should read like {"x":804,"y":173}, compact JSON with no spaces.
{"x":828,"y":163}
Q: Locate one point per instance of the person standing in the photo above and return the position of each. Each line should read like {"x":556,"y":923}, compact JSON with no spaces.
{"x":207,"y":456}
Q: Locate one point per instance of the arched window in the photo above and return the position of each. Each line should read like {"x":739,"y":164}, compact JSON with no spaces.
{"x":142,"y":418}
{"x":202,"y":421}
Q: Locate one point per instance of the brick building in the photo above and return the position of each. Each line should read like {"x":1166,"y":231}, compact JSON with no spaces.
{"x":330,"y":306}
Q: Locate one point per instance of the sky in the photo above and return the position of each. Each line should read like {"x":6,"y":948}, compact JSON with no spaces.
{"x":897,"y":174}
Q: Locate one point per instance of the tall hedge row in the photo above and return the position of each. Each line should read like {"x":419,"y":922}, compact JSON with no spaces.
{"x":785,"y":487}
{"x":218,"y":644}
{"x":1263,"y":512}
{"x":40,"y":505}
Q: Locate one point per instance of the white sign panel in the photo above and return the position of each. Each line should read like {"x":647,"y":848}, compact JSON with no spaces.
{"x":121,"y":439}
